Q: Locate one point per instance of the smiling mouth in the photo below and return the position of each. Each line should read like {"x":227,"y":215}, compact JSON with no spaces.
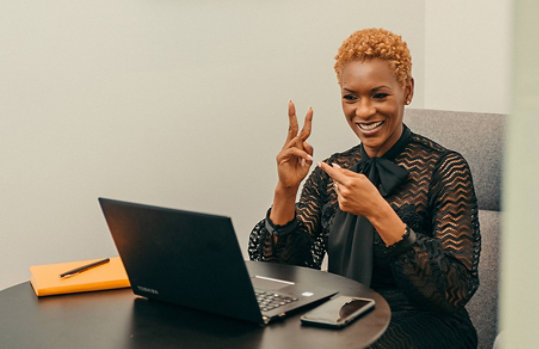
{"x":369,"y":126}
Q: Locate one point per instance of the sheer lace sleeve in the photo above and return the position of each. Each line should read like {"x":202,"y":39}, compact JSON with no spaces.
{"x":440,"y":270}
{"x":301,"y":241}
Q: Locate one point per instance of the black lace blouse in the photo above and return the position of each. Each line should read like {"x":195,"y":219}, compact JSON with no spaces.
{"x":437,"y":270}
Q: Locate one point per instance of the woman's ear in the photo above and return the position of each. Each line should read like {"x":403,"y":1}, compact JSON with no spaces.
{"x":409,"y":90}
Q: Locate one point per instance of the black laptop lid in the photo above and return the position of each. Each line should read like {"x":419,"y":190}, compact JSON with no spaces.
{"x":187,"y":258}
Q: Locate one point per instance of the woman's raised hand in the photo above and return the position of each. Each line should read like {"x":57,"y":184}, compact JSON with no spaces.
{"x":295,"y":159}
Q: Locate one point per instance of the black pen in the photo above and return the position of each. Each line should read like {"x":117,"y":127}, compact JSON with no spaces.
{"x":84,"y":268}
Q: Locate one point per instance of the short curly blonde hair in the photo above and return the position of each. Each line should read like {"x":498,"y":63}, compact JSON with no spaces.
{"x":376,"y":43}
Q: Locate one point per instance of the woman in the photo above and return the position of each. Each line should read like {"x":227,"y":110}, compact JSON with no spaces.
{"x":397,"y":212}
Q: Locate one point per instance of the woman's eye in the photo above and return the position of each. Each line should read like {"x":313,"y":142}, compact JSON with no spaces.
{"x":349,"y":97}
{"x":380,"y":95}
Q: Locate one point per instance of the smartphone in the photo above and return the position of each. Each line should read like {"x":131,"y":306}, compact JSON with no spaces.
{"x":338,"y":312}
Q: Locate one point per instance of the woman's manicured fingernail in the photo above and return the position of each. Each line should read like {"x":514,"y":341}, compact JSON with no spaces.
{"x":335,"y":165}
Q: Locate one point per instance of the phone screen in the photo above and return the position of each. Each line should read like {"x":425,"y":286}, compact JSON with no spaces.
{"x":338,"y":311}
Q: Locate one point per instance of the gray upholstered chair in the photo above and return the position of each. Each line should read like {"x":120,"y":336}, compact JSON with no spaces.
{"x":479,"y":138}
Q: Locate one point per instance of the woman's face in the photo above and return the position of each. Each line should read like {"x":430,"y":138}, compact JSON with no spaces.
{"x":373,"y":103}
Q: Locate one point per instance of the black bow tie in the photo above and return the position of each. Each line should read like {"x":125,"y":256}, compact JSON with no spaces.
{"x":383,"y":173}
{"x":350,"y":242}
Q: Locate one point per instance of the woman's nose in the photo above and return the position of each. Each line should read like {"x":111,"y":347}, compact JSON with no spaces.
{"x":365,"y":108}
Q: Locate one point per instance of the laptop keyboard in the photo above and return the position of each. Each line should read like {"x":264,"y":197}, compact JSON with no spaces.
{"x":268,"y":300}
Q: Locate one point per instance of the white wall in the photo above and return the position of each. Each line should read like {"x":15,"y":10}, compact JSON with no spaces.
{"x":174,"y":103}
{"x":468,"y":55}
{"x":519,"y":306}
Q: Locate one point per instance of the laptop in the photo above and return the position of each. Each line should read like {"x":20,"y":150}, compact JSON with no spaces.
{"x":194,"y":260}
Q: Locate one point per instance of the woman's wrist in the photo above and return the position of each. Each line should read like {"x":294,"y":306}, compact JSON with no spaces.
{"x":387,"y":223}
{"x":284,"y":205}
{"x":286,"y":191}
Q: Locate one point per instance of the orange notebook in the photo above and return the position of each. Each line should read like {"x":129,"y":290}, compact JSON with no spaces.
{"x":46,"y":280}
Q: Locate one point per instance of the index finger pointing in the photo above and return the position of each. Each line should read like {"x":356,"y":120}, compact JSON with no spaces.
{"x":334,"y":172}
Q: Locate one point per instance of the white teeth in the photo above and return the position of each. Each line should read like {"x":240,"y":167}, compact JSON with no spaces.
{"x":369,"y":127}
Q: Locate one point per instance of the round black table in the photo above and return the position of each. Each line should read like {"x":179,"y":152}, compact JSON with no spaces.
{"x":118,"y":319}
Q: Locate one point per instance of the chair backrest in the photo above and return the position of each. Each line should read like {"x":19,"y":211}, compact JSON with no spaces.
{"x":479,"y":138}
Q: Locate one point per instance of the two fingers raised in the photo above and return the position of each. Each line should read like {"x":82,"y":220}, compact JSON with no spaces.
{"x":295,"y":139}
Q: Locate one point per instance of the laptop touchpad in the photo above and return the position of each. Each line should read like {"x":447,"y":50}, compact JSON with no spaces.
{"x":267,"y":283}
